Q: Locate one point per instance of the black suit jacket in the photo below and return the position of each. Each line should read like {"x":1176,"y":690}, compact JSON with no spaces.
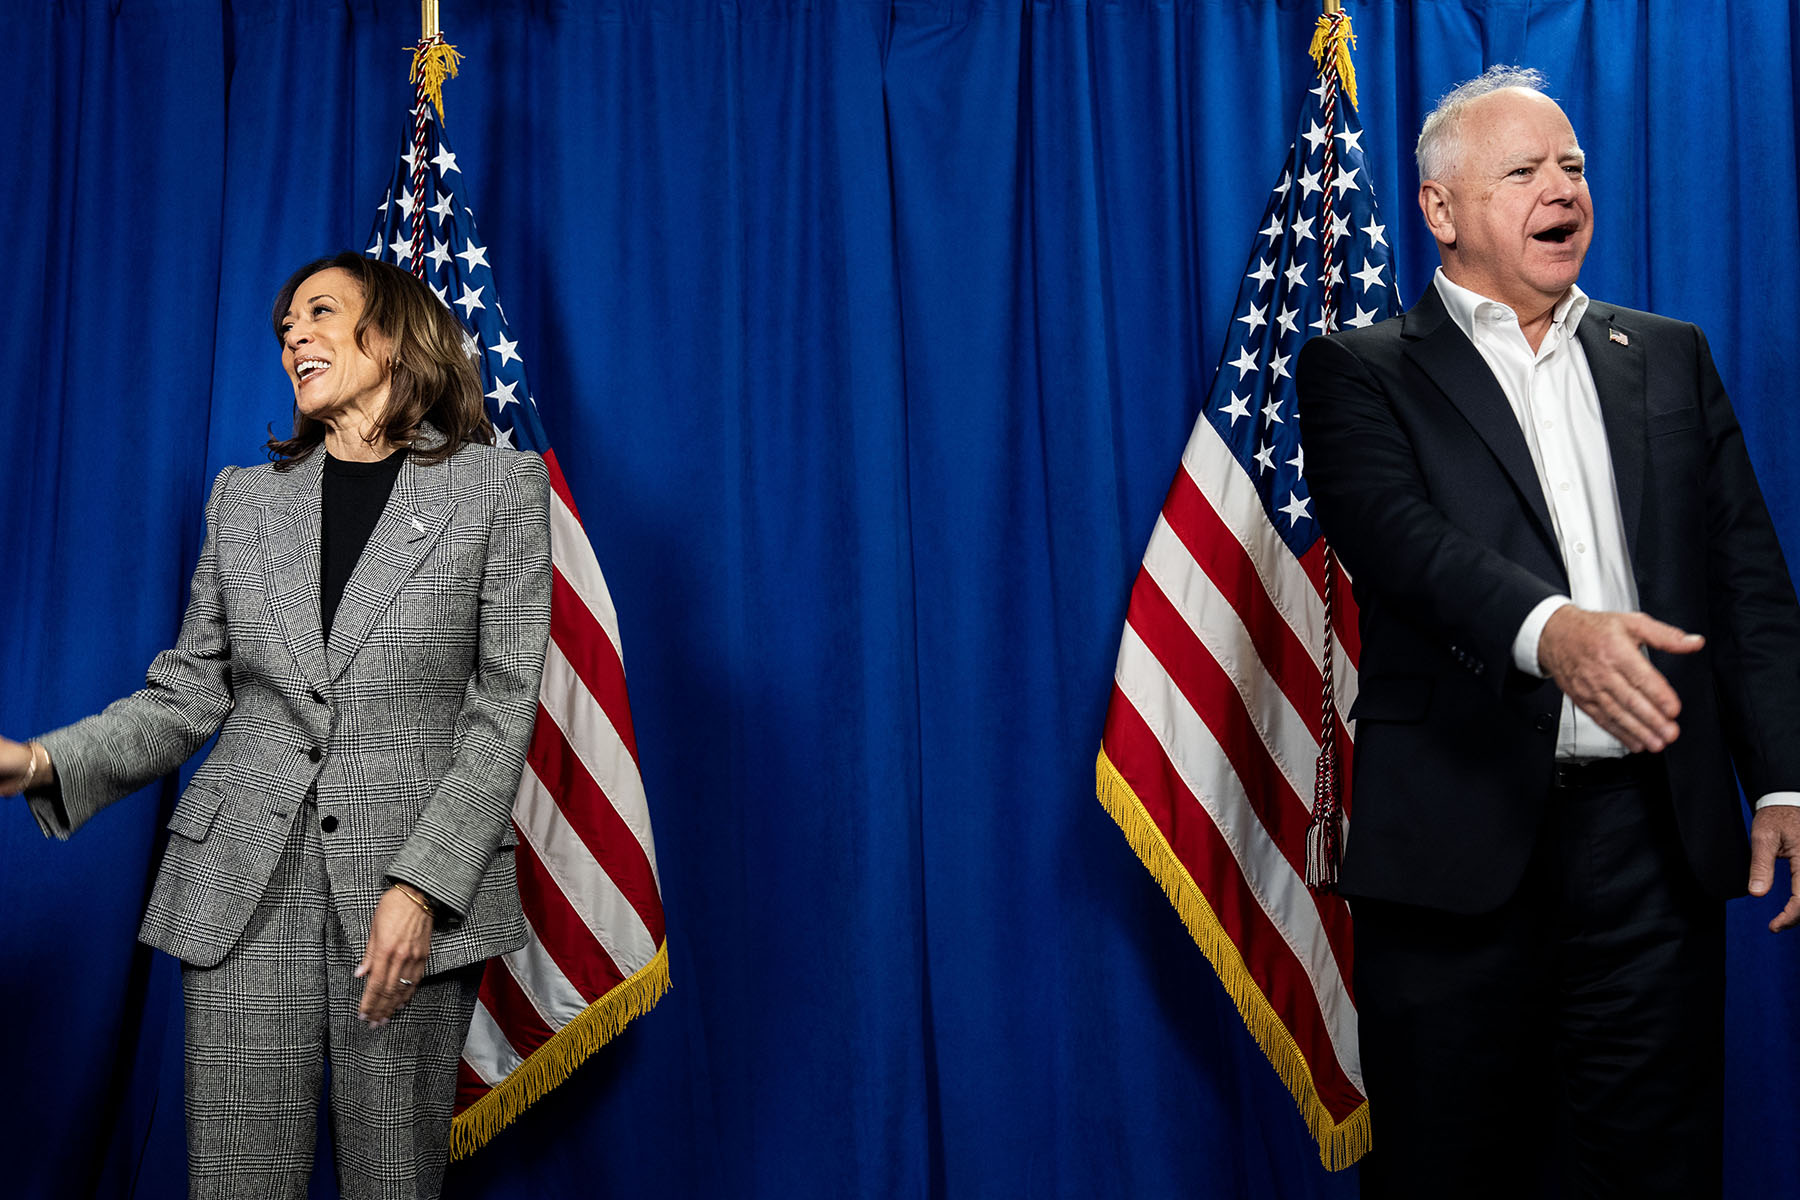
{"x":1424,"y":485}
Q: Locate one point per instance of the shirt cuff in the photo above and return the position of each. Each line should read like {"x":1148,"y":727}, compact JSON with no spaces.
{"x":1525,"y":644}
{"x":1775,"y":798}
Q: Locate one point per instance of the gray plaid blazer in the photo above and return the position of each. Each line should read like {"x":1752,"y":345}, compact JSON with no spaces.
{"x":410,"y":725}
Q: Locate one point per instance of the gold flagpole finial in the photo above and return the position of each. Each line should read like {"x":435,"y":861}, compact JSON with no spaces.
{"x":1333,"y":6}
{"x":434,"y":59}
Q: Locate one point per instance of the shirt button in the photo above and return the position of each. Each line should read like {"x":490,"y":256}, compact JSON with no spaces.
{"x":328,"y":824}
{"x":315,"y":754}
{"x":1549,"y":424}
{"x":1564,"y":485}
{"x":1581,"y":547}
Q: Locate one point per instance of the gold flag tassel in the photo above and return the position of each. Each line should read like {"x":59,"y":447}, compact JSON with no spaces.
{"x":1332,"y":41}
{"x":434,"y":61}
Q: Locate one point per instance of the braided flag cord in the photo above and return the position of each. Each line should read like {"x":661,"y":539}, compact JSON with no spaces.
{"x":1225,"y":748}
{"x":586,"y":859}
{"x":416,"y":187}
{"x":1325,"y":833}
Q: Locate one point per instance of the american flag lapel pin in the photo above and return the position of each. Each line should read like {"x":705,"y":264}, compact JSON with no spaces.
{"x":1617,"y":336}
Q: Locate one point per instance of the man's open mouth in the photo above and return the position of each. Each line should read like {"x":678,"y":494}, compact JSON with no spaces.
{"x":1556,"y":233}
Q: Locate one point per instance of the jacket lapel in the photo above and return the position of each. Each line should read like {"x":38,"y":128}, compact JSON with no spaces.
{"x":417,"y":511}
{"x":1451,"y":361}
{"x":1617,"y":367}
{"x":289,"y":537}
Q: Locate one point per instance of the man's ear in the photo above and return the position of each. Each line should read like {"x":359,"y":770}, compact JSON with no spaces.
{"x":1434,"y":202}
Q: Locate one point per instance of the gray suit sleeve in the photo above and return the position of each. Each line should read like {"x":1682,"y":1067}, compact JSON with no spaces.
{"x":185,"y":697}
{"x":459,"y":829}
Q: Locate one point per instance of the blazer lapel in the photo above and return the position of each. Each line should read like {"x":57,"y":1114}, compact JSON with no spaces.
{"x":1451,"y":361}
{"x":1617,"y":367}
{"x":289,"y":537}
{"x":417,"y":512}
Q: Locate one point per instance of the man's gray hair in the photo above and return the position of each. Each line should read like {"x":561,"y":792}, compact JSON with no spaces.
{"x":1438,"y":143}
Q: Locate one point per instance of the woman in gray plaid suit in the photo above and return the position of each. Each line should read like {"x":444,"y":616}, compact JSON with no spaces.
{"x":365,"y":633}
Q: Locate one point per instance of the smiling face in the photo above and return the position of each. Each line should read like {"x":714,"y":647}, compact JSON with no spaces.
{"x":335,"y":380}
{"x":1513,"y":219}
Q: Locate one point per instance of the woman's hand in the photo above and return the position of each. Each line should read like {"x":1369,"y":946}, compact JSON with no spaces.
{"x":399,"y":944}
{"x":22,"y":765}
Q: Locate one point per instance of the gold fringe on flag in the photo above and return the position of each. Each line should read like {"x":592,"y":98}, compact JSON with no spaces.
{"x":1341,"y":1143}
{"x":556,"y":1059}
{"x":1332,"y":40}
{"x":434,"y":61}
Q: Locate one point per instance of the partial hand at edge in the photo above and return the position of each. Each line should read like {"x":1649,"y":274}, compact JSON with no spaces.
{"x":399,"y":945}
{"x":1597,"y":661}
{"x":1775,"y":833}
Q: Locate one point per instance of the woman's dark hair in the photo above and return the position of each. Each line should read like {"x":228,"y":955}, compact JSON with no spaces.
{"x":431,"y":376}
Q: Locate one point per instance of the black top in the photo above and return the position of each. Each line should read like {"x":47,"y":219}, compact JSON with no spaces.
{"x":351,"y":499}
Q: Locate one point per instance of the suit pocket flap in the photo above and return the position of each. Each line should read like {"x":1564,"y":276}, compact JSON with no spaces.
{"x":1391,"y":698}
{"x":1672,"y":422}
{"x":194,"y":812}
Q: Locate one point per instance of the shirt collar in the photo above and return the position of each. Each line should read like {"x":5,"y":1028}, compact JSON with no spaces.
{"x":1466,"y":307}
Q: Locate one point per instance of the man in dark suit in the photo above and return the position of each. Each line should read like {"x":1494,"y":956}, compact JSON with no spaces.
{"x":1576,"y":621}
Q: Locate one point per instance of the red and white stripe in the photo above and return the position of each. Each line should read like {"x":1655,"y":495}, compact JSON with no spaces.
{"x":586,"y":858}
{"x":1215,"y":726}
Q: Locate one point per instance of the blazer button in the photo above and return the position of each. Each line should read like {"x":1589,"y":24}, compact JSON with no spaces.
{"x":328,"y":824}
{"x":317,"y":695}
{"x":1545,"y":723}
{"x":315,"y":754}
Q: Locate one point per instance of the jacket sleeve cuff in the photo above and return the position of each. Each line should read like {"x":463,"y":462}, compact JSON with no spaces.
{"x":46,"y":804}
{"x":1525,"y":642}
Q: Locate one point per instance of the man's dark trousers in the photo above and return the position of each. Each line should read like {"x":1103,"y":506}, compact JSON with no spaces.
{"x":1566,"y":1044}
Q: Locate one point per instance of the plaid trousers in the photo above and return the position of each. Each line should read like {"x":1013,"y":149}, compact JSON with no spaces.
{"x":260,"y":1026}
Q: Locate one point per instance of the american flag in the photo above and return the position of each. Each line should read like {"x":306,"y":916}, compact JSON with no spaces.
{"x":586,"y":860}
{"x":1211,"y":761}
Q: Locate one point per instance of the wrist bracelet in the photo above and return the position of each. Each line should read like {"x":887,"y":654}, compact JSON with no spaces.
{"x":31,"y":749}
{"x":417,"y":899}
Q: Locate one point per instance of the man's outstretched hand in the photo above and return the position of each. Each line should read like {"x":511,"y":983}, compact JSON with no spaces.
{"x":1595,"y":658}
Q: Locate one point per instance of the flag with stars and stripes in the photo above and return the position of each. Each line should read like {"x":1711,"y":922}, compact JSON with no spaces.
{"x":1225,"y":748}
{"x":586,"y":861}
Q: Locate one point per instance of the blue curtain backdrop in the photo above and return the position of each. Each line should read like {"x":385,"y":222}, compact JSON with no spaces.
{"x":869,"y":334}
